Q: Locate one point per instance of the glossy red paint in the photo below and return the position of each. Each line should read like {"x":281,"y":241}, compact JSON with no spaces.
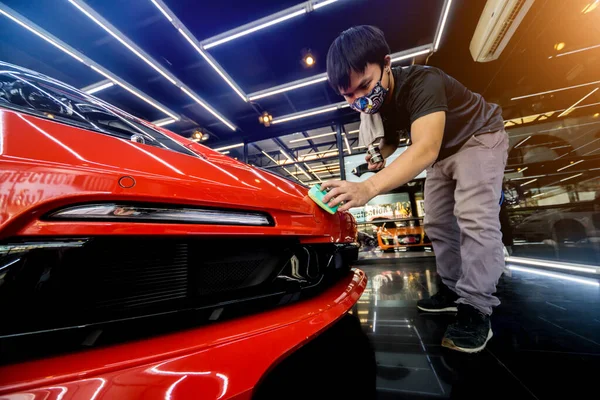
{"x":45,"y":165}
{"x":202,"y":363}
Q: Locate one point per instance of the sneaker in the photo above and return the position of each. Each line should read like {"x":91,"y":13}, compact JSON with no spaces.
{"x":471,"y":331}
{"x":442,"y":301}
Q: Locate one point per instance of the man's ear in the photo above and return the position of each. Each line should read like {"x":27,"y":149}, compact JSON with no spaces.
{"x":387,"y":63}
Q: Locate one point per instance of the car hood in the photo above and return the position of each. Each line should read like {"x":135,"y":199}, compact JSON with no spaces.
{"x":163,"y":175}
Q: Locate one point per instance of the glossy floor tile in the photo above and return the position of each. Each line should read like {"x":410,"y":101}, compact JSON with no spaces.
{"x":546,"y":337}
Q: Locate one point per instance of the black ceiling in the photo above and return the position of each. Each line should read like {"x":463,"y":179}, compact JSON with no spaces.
{"x":273,"y":56}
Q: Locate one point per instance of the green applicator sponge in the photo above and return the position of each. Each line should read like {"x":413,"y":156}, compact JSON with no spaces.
{"x":316,"y":194}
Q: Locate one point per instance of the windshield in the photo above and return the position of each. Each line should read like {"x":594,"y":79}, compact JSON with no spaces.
{"x":29,"y":91}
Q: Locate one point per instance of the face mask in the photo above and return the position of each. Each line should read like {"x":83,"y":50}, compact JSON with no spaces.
{"x":371,"y":102}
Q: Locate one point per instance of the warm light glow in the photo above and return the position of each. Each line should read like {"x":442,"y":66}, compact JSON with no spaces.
{"x":559,"y":46}
{"x":309,"y":60}
{"x":596,"y":115}
{"x":590,"y":7}
{"x":266,"y":118}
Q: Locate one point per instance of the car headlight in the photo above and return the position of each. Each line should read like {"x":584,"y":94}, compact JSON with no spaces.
{"x":135,"y":213}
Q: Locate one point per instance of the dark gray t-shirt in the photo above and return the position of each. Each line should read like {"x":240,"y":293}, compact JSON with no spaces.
{"x":420,"y":90}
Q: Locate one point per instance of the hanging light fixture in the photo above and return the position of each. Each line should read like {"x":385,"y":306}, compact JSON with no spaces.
{"x":265,"y":119}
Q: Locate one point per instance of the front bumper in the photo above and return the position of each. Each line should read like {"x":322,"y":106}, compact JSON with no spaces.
{"x":221,"y":361}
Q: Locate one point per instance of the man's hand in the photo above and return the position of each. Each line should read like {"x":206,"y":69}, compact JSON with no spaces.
{"x":353,"y":194}
{"x":372,"y":166}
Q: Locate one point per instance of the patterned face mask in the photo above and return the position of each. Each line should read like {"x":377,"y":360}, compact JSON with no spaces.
{"x":371,"y":102}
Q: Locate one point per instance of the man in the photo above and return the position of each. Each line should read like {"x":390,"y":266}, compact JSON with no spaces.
{"x":460,"y":140}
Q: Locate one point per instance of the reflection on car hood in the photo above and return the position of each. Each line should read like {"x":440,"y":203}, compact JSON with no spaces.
{"x":209,"y":179}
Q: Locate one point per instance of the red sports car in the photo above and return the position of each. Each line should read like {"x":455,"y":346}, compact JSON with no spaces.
{"x":137,"y":264}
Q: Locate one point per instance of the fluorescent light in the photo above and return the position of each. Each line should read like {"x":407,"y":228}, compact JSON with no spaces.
{"x":347,"y":145}
{"x":312,"y":137}
{"x":523,"y":141}
{"x":571,"y":177}
{"x":292,"y":175}
{"x":569,"y":166}
{"x":411,"y":55}
{"x":269,"y":157}
{"x":162,"y":10}
{"x":208,"y":108}
{"x":568,"y":110}
{"x":523,"y":169}
{"x":99,"y":88}
{"x":144,"y":57}
{"x":225,"y":152}
{"x":254,"y":29}
{"x":134,"y":92}
{"x":555,"y":90}
{"x":590,"y":282}
{"x":233,"y":146}
{"x":41,"y":35}
{"x":121,"y":40}
{"x":323,"y":4}
{"x":287,"y":88}
{"x":23,"y":22}
{"x":164,"y":122}
{"x":440,"y":33}
{"x":354,"y":131}
{"x":528,"y":182}
{"x":286,"y":155}
{"x":304,"y":115}
{"x":578,"y":50}
{"x":544,"y":193}
{"x":214,"y":65}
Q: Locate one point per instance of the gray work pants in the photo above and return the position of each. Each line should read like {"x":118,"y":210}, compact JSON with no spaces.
{"x":462,"y":195}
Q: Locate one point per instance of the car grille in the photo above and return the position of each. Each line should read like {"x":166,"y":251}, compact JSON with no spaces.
{"x":112,"y":279}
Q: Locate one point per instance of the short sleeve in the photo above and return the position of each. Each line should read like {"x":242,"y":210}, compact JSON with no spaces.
{"x":427,"y":94}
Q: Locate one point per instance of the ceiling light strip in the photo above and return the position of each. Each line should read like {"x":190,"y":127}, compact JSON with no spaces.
{"x":286,"y":87}
{"x":442,"y":24}
{"x":108,"y":28}
{"x":233,"y":146}
{"x":323,"y":4}
{"x":313,"y":137}
{"x":163,"y":122}
{"x":191,"y":39}
{"x":135,"y":49}
{"x":213,"y":63}
{"x":569,"y":166}
{"x":556,"y":90}
{"x":571,"y":177}
{"x":41,"y":33}
{"x":97,"y":87}
{"x":308,"y":113}
{"x":578,"y":50}
{"x":568,"y":110}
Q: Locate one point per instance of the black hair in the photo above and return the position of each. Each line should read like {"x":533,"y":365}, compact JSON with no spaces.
{"x":352,"y":51}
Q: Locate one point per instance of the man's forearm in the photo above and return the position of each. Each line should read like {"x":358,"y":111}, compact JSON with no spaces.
{"x":408,"y":165}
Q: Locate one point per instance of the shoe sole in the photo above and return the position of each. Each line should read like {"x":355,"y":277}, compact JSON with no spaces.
{"x":439,"y":310}
{"x":450,"y":344}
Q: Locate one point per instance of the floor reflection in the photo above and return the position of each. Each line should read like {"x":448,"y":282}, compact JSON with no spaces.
{"x":543,"y":324}
{"x":546,"y":344}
